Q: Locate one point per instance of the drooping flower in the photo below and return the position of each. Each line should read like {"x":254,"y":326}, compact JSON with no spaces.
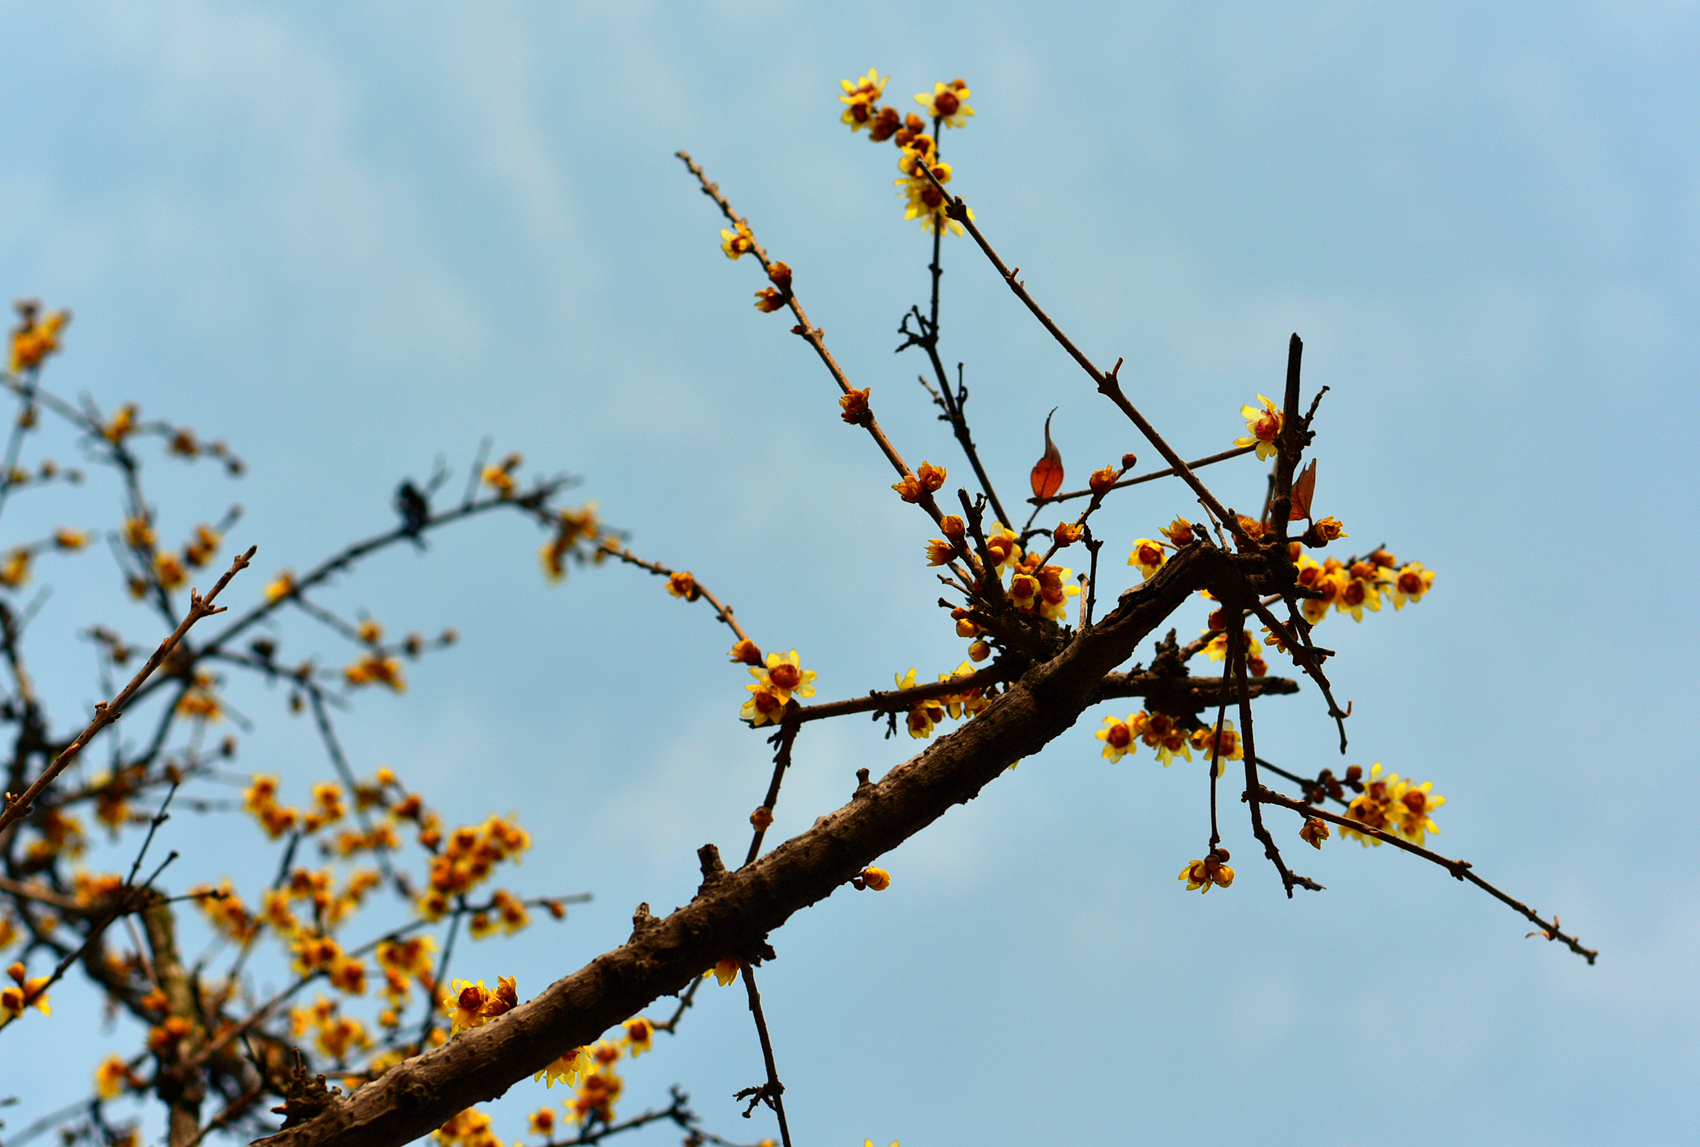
{"x":1213,"y":869}
{"x":1314,"y":832}
{"x":566,"y":1068}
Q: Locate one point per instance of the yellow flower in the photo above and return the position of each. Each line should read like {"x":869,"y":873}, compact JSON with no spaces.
{"x":281,"y":586}
{"x":639,"y":1033}
{"x":785,"y":675}
{"x":1410,"y":806}
{"x":111,"y":1077}
{"x":683,"y":585}
{"x":13,"y":1001}
{"x":169,"y":570}
{"x":1148,"y":555}
{"x":467,"y":1005}
{"x":1264,"y":424}
{"x":725,"y":971}
{"x":737,"y":243}
{"x":762,"y":708}
{"x":33,"y":341}
{"x":15,"y":571}
{"x":1231,"y":748}
{"x":1213,"y":869}
{"x":1117,"y":736}
{"x":1314,"y":832}
{"x":566,"y":1068}
{"x":949,"y":102}
{"x":68,"y":539}
{"x":1410,"y":583}
{"x":877,"y":879}
{"x":1372,"y":807}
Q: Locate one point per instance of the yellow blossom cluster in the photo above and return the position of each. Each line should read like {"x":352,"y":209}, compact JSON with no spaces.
{"x":578,"y":535}
{"x":1394,"y":806}
{"x":1360,"y":585}
{"x":1212,"y":870}
{"x":23,"y":993}
{"x":599,"y":1087}
{"x":469,"y":857}
{"x":336,"y":1035}
{"x":472,"y":1005}
{"x":1033,"y":587}
{"x":947,"y":105}
{"x":36,"y":336}
{"x":1159,"y":731}
{"x":924,"y":715}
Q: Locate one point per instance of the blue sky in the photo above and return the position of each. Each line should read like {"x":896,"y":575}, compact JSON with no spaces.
{"x":352,"y":239}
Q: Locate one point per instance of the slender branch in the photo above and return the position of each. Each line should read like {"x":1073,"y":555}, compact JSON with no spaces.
{"x":108,"y":712}
{"x":772,"y":1093}
{"x":1108,"y":383}
{"x":1460,"y":869}
{"x":1165,"y":472}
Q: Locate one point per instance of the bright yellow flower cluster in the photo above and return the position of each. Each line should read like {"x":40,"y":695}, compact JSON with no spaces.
{"x":1160,"y":732}
{"x":337,"y":1036}
{"x":36,"y":336}
{"x":924,"y":715}
{"x":1213,"y":869}
{"x":469,"y":857}
{"x":1361,"y":585}
{"x":1395,"y":806}
{"x":947,"y":104}
{"x":24,"y":993}
{"x":472,"y":1005}
{"x":599,"y":1087}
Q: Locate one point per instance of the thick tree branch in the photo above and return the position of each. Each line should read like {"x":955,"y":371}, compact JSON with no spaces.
{"x":733,"y":912}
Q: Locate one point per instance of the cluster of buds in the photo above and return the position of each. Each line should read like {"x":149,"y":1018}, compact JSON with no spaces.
{"x":1213,"y":869}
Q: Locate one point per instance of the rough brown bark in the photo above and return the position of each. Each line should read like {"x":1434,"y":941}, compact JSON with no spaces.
{"x":733,"y":912}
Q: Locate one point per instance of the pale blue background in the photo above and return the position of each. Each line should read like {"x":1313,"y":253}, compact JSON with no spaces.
{"x":352,"y":239}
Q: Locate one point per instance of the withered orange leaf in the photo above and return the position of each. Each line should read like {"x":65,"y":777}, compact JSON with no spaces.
{"x":1303,"y":488}
{"x":1047,"y":476}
